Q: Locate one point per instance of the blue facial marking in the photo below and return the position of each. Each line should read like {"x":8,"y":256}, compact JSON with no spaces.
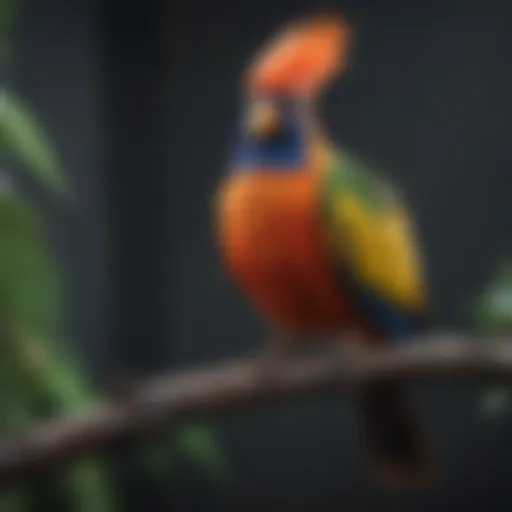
{"x":283,"y":151}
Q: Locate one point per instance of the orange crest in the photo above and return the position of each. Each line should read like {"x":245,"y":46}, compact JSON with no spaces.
{"x":302,"y":58}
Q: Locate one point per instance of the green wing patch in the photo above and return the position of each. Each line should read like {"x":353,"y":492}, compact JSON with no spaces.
{"x":367,"y":227}
{"x":351,"y":174}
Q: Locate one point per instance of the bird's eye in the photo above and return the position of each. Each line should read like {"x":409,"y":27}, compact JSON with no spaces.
{"x":264,"y":121}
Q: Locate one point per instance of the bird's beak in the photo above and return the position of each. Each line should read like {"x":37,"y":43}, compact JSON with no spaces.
{"x":264,"y":121}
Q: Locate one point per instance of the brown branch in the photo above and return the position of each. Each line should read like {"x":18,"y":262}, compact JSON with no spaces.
{"x":222,"y":388}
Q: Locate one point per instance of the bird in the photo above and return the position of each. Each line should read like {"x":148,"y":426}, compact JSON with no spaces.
{"x":320,"y":241}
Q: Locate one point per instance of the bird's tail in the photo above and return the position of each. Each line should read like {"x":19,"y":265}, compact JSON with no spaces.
{"x":398,"y":448}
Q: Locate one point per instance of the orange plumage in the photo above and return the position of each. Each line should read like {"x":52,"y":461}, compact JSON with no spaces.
{"x":270,"y":235}
{"x":267,"y":221}
{"x":271,"y":231}
{"x":303,"y":57}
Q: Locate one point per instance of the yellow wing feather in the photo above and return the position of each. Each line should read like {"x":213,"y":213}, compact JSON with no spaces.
{"x":380,"y":247}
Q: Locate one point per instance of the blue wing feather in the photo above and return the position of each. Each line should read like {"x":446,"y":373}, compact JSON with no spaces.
{"x":394,"y":324}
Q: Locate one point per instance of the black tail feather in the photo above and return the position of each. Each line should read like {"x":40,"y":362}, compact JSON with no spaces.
{"x":396,"y":443}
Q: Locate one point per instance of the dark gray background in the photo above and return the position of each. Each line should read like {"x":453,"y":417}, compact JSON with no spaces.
{"x":141,"y":97}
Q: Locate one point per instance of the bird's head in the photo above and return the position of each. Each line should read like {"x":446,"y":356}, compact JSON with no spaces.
{"x":302,"y":58}
{"x":272,"y":132}
{"x":264,"y":119}
{"x":281,"y":85}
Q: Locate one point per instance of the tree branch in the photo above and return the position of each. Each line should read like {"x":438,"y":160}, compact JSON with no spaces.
{"x":221,"y":388}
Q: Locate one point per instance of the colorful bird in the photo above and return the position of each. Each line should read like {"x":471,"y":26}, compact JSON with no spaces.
{"x":320,"y":241}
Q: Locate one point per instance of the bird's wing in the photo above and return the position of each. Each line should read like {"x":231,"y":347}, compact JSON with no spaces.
{"x":372,"y":241}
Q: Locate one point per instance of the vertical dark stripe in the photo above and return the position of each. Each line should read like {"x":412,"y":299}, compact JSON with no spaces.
{"x":135,"y":88}
{"x":135,"y":74}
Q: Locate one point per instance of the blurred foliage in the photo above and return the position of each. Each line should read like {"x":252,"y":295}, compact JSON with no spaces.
{"x":38,"y":376}
{"x":492,"y":314}
{"x":194,"y":443}
{"x":492,"y":310}
{"x":23,"y":140}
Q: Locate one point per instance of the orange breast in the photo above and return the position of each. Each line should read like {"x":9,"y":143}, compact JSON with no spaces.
{"x":269,"y":237}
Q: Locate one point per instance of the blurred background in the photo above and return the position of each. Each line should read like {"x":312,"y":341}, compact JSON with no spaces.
{"x":139,"y":100}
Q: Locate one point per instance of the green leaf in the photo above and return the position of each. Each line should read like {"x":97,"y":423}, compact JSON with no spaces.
{"x":495,"y":403}
{"x":491,"y":313}
{"x":198,"y":444}
{"x":30,"y":284}
{"x":90,"y":487}
{"x":158,"y":456}
{"x":23,"y":138}
{"x":195,"y":444}
{"x":54,"y":382}
{"x":46,"y":383}
{"x":38,"y":378}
